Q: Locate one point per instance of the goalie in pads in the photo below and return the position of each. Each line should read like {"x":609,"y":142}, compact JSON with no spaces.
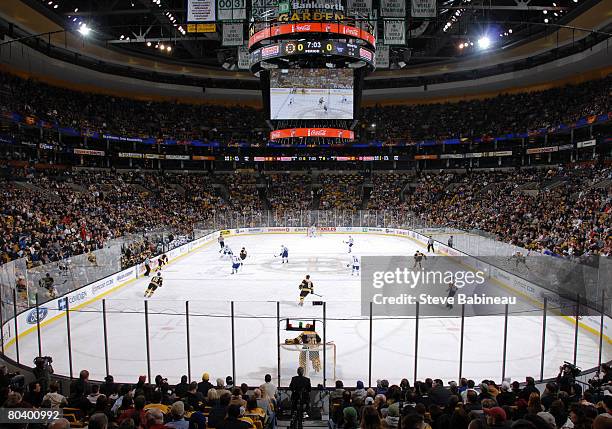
{"x":306,"y":287}
{"x":310,"y":338}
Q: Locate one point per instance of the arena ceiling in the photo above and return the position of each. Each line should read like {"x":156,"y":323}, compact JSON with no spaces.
{"x":157,"y":30}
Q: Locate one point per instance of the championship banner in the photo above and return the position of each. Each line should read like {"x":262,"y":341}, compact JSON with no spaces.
{"x":264,"y":10}
{"x":361,"y":8}
{"x":233,"y":34}
{"x":243,"y":58}
{"x":382,"y":57}
{"x":231,"y":9}
{"x":201,"y":11}
{"x":423,"y":8}
{"x":393,"y":8}
{"x":395,"y":32}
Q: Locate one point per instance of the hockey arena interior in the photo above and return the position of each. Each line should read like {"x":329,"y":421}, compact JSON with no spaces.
{"x":342,"y":214}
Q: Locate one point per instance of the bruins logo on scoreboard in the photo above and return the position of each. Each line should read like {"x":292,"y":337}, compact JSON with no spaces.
{"x":311,"y":15}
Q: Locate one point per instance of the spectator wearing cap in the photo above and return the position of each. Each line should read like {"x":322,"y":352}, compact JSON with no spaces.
{"x":505,"y":397}
{"x":205,"y":384}
{"x":177,"y":414}
{"x":496,"y":417}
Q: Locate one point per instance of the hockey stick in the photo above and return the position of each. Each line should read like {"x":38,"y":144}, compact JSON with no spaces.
{"x":316,"y":294}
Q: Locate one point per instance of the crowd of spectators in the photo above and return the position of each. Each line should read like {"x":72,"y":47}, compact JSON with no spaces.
{"x":341,"y":191}
{"x":430,"y":404}
{"x":73,"y":212}
{"x":157,"y":405}
{"x":386,"y":191}
{"x":508,"y":113}
{"x":243,"y":193}
{"x":128,"y":117}
{"x":557,"y":211}
{"x":566,"y":214}
{"x":289,"y":191}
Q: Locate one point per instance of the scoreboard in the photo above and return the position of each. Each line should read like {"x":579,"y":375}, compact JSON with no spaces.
{"x":289,"y":48}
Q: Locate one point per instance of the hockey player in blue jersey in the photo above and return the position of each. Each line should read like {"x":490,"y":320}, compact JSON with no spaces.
{"x":350,"y":243}
{"x":236,"y":263}
{"x":284,"y":254}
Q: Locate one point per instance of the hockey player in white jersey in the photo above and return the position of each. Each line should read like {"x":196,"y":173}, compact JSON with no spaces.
{"x":356,"y":264}
{"x":236,"y":263}
{"x":349,"y":243}
{"x":284,"y":254}
{"x":227,"y":251}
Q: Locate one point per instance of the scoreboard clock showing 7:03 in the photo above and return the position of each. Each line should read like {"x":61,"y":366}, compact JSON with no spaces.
{"x":309,"y":47}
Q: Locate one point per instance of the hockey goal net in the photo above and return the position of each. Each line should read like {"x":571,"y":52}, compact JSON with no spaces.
{"x":313,"y":231}
{"x":311,"y":358}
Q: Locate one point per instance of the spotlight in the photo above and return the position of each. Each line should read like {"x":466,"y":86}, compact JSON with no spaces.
{"x":545,"y":20}
{"x":148,"y":43}
{"x":484,"y":42}
{"x":460,"y":45}
{"x":84,"y":29}
{"x":162,"y":47}
{"x":168,"y":49}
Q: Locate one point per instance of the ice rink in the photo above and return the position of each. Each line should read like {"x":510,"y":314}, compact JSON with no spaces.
{"x":284,"y":105}
{"x":205,"y":280}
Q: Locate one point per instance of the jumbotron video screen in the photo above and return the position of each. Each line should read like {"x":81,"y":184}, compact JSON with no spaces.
{"x":311,"y":94}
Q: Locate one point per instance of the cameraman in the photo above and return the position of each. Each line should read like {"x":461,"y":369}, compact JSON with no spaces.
{"x":567,"y":377}
{"x":42,"y":371}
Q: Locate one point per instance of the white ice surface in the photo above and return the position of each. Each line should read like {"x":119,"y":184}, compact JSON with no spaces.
{"x":306,"y":106}
{"x":205,"y":281}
